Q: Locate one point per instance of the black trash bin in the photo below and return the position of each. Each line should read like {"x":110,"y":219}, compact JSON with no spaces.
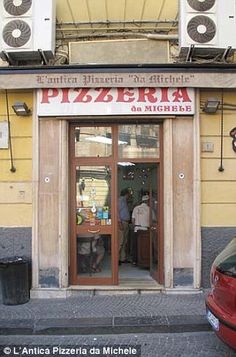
{"x":14,"y":273}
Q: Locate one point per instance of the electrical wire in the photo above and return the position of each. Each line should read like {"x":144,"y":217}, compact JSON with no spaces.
{"x":221,"y":167}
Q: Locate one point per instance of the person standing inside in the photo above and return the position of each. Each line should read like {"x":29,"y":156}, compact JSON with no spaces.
{"x":141,"y":222}
{"x":123,"y":224}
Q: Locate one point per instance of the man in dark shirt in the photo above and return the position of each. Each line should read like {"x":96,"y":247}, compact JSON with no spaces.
{"x":123,"y":223}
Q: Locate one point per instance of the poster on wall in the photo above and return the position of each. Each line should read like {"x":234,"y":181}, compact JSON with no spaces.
{"x":115,"y":101}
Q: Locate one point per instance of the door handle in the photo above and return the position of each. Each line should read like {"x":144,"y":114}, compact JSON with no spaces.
{"x":153,"y":228}
{"x":94,"y":232}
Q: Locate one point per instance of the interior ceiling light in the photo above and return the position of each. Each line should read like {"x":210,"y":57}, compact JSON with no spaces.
{"x":126,"y":163}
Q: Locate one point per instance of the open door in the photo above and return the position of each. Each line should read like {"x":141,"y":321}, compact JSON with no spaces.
{"x":103,"y":161}
{"x":144,"y":182}
{"x":156,"y":245}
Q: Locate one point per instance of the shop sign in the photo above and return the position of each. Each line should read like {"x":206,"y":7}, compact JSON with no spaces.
{"x":78,"y":78}
{"x":115,"y":101}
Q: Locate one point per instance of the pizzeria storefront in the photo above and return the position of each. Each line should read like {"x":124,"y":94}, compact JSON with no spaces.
{"x":92,"y":144}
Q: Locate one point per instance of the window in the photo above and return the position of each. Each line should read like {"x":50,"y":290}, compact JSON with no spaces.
{"x":226,"y":260}
{"x":139,"y":141}
{"x":93,"y":141}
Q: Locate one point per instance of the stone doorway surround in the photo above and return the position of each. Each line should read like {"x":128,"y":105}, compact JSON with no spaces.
{"x":50,"y":251}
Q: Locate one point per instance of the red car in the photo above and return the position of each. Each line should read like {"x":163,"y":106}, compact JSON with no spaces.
{"x":221,"y":301}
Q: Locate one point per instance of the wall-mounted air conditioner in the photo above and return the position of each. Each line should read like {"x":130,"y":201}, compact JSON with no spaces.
{"x":27,"y":29}
{"x":209,"y":24}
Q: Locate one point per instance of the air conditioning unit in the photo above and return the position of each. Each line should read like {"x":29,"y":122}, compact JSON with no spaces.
{"x":207,"y":24}
{"x":27,"y":30}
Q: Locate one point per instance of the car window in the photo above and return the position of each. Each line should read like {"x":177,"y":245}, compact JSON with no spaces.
{"x":226,"y":260}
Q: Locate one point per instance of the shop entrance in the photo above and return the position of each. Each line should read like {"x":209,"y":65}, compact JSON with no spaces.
{"x":105,"y":162}
{"x":142,"y":251}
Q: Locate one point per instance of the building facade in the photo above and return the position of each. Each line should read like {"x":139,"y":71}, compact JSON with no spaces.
{"x":95,"y":130}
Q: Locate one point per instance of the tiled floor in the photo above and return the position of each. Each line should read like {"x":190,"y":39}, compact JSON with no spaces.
{"x":126,"y":270}
{"x":131,"y":280}
{"x":129,"y":271}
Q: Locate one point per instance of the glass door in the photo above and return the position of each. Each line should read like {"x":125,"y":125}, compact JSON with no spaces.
{"x":93,"y":222}
{"x":92,"y":251}
{"x":104,"y":160}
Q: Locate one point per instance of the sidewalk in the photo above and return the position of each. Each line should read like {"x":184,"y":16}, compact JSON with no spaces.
{"x":104,"y":314}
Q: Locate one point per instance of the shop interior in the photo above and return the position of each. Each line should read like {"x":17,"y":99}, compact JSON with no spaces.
{"x":94,"y":255}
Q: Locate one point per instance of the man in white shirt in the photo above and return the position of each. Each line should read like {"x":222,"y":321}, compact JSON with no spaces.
{"x":141,"y":222}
